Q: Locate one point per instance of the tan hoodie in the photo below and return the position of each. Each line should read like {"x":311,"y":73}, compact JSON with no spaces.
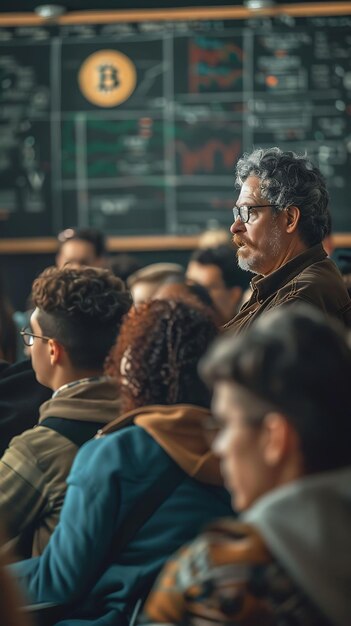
{"x":180,"y":430}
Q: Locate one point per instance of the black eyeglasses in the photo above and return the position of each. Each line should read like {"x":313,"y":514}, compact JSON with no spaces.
{"x":244,"y":212}
{"x":28,"y":337}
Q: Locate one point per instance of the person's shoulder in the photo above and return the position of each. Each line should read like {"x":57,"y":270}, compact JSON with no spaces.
{"x":129,"y":450}
{"x":222,"y":557}
{"x":39,"y":445}
{"x":321,"y":277}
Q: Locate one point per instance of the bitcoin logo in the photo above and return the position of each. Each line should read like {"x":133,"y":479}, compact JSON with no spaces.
{"x":107,"y":78}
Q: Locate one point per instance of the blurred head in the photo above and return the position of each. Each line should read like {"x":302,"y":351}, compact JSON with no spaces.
{"x":77,"y":317}
{"x":124,"y":265}
{"x":213,"y":237}
{"x":281,"y":398}
{"x":157,"y":354}
{"x":144,"y":283}
{"x":191,"y":293}
{"x":288,"y":208}
{"x":217,"y":271}
{"x":81,"y":246}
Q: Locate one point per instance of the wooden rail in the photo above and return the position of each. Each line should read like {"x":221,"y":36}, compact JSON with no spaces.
{"x":173,"y":14}
{"x":48,"y":245}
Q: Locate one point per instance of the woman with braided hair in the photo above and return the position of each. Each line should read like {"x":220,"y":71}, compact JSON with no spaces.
{"x":147,"y":485}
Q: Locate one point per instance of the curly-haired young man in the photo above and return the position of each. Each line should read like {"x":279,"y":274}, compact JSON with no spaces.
{"x":77,"y":317}
{"x":280,"y":220}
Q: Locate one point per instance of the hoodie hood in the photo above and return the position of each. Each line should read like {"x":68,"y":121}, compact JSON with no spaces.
{"x":306,"y":525}
{"x":94,"y":401}
{"x":179,"y":430}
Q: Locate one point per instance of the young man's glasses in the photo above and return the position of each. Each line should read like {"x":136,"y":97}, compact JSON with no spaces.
{"x":244,"y":212}
{"x":28,"y":337}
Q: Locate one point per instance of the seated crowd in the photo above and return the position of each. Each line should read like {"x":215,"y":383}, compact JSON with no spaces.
{"x":182,"y":450}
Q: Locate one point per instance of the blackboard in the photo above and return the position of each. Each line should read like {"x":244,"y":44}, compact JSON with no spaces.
{"x":145,"y":143}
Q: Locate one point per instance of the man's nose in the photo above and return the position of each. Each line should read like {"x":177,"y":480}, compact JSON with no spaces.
{"x":237,"y":226}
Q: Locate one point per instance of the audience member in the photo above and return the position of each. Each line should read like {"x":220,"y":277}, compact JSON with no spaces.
{"x":144,"y":283}
{"x":148,"y":486}
{"x":124,"y":265}
{"x":281,"y":399}
{"x":215,"y":269}
{"x":77,"y":246}
{"x":77,"y":316}
{"x":280,"y":221}
{"x":8,"y":329}
{"x":81,"y":246}
{"x":192,"y":293}
{"x":213,"y":238}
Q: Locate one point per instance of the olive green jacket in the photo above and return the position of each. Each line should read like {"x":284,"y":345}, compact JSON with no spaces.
{"x":35,"y":466}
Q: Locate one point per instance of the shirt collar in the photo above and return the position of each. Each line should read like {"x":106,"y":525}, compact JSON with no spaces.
{"x":81,"y":381}
{"x":264,"y":286}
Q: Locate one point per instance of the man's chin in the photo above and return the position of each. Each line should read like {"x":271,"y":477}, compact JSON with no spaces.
{"x":245,"y":263}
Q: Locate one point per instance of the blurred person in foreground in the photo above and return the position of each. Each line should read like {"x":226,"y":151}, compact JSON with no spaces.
{"x":109,"y":545}
{"x":281,"y":400}
{"x":281,"y":218}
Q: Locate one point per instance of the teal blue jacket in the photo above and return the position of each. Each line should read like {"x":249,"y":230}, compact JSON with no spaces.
{"x":108,"y":477}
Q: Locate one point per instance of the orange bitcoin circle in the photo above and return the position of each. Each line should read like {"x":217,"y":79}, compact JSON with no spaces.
{"x":107,"y":78}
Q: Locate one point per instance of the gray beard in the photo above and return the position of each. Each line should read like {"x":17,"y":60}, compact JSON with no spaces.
{"x":245,"y":265}
{"x":248,"y":264}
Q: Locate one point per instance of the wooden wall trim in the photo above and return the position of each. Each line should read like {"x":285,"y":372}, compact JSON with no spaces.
{"x":192,"y":13}
{"x":48,"y":245}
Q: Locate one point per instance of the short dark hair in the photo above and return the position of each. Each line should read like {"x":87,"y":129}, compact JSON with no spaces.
{"x":224,"y":257}
{"x":290,"y":179}
{"x":161,"y":344}
{"x":123,"y":265}
{"x":91,"y":235}
{"x":297,"y":362}
{"x":83,"y":309}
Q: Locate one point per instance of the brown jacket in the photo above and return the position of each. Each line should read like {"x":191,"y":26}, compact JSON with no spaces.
{"x":310,"y":277}
{"x":228,"y":576}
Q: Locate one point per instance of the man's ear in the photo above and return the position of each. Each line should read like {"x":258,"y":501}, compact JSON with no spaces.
{"x":55,"y":351}
{"x":279,"y":439}
{"x":292,"y":218}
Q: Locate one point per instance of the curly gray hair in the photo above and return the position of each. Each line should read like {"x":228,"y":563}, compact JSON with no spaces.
{"x":289,"y":179}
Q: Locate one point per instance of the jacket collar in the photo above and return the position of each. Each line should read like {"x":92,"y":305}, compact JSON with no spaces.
{"x":265,"y":286}
{"x":180,"y":430}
